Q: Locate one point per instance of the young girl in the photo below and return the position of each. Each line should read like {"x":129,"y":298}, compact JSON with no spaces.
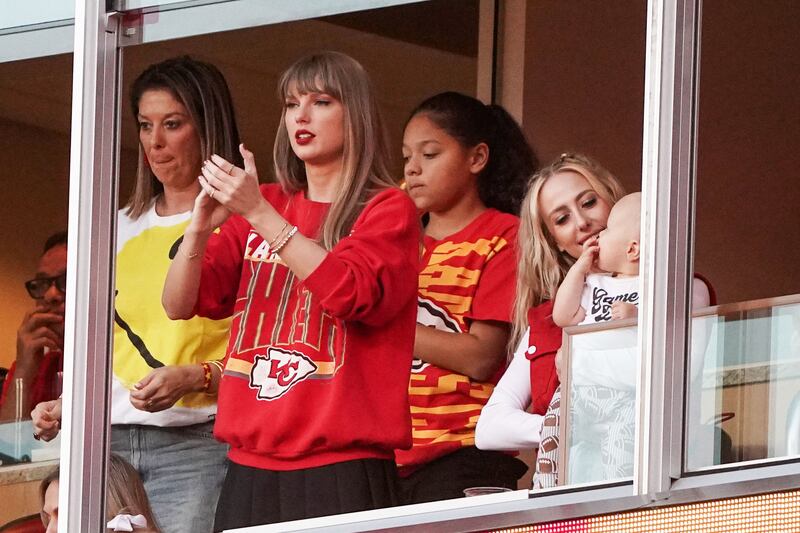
{"x":319,"y":273}
{"x":466,"y":166}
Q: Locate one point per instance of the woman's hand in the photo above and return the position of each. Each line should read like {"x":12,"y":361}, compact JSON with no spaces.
{"x":46,"y":418}
{"x":233,"y":187}
{"x":164,"y":386}
{"x":208,"y":214}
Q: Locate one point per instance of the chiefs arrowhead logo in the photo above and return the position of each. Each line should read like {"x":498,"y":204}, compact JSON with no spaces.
{"x":434,"y":316}
{"x":278,"y":371}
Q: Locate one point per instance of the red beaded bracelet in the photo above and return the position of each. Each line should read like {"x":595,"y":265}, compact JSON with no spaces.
{"x":206,"y":375}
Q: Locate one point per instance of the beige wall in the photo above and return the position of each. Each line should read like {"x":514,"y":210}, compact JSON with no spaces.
{"x":748,"y":197}
{"x":584,"y":82}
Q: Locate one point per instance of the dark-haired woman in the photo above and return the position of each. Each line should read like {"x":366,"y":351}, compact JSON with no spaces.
{"x":466,"y":166}
{"x":166,"y":372}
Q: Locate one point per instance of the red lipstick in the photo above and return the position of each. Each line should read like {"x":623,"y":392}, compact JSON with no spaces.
{"x":303,"y":137}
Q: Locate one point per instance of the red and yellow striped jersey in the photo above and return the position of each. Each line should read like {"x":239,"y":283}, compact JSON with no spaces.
{"x":464,"y":277}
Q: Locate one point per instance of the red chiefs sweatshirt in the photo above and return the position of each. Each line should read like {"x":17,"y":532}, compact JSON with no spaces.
{"x":316,"y":370}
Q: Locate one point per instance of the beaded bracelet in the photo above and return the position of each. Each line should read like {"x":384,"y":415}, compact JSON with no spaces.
{"x":285,"y":240}
{"x":206,"y":375}
{"x":278,"y":236}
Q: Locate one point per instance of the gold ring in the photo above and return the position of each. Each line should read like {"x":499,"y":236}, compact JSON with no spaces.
{"x":231,"y":169}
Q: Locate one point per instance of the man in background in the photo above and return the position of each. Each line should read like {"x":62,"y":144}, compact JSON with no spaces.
{"x":40,"y":339}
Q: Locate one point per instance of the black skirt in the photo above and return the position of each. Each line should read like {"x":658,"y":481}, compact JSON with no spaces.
{"x":447,"y":477}
{"x":253,"y":496}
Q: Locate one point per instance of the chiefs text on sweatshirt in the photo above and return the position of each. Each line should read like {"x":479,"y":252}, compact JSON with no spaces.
{"x":316,"y":370}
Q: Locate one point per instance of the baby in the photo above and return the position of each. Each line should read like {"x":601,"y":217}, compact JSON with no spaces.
{"x":586,"y":296}
{"x":603,"y":285}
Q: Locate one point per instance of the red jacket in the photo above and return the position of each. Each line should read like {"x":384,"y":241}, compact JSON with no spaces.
{"x":546,"y":337}
{"x":316,"y":371}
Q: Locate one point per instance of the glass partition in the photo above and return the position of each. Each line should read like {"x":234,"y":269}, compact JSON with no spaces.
{"x":748,"y":351}
{"x":22,"y":16}
{"x":35,"y":102}
{"x":745,"y":393}
{"x":35,"y":29}
{"x":581,"y":91}
{"x":599,"y":376}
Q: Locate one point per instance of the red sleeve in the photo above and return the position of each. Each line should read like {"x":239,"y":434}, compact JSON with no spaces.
{"x":371,"y":274}
{"x":222,"y":269}
{"x":545,"y":338}
{"x":494,"y":296}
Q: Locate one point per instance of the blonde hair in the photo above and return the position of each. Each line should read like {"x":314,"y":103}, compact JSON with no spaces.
{"x":542,"y":266}
{"x":365,"y":153}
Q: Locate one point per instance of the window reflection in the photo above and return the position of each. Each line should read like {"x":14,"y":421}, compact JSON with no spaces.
{"x":742,"y":380}
{"x":746,"y":396}
{"x":35,"y":104}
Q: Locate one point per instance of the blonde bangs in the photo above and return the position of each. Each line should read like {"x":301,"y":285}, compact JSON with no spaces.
{"x":365,"y":151}
{"x":310,"y":77}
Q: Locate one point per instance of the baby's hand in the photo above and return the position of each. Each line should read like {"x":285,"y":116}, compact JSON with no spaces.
{"x":588,"y":257}
{"x":620,"y":310}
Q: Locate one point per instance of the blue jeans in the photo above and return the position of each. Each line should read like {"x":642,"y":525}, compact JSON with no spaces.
{"x":182,"y":469}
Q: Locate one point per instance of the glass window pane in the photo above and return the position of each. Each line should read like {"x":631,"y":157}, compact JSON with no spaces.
{"x":17,"y":15}
{"x":35,"y":104}
{"x":583,"y":92}
{"x":743,"y":381}
{"x":409,"y":52}
{"x":745,"y":401}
